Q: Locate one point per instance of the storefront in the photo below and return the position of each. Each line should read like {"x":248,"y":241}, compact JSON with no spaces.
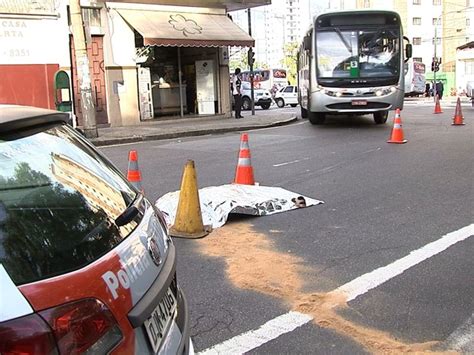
{"x":145,"y":60}
{"x":197,"y":68}
{"x":180,"y":56}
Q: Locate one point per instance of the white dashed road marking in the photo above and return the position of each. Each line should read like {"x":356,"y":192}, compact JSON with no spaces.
{"x":291,"y":162}
{"x":357,"y":287}
{"x":255,"y":338}
{"x":366,"y":282}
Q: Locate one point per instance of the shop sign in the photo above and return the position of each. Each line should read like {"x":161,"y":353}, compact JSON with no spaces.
{"x":23,"y":41}
{"x":33,"y":8}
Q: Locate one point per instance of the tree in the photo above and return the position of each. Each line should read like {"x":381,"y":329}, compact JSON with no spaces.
{"x":289,"y":61}
{"x":261,"y":65}
{"x":238,"y":60}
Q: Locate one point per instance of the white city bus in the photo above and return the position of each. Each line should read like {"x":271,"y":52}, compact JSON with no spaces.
{"x":352,"y":62}
{"x":269,"y":79}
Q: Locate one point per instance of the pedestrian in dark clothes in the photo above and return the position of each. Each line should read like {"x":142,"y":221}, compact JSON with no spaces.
{"x":439,"y":89}
{"x":236,"y":91}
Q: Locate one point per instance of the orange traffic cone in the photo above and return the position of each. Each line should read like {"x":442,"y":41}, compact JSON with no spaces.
{"x":437,"y":106}
{"x":133,"y":173}
{"x":397,"y":131}
{"x":244,"y":171}
{"x":188,"y":222}
{"x":458,"y":119}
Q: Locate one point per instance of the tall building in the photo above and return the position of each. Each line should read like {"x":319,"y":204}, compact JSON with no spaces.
{"x":297,"y":19}
{"x":455,"y":28}
{"x":470,"y":22}
{"x":274,"y":26}
{"x":437,"y":28}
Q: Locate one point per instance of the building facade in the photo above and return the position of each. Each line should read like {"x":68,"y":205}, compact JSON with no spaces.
{"x":147,"y":59}
{"x":465,"y":68}
{"x":34,"y":45}
{"x":274,"y":26}
{"x":267,"y":31}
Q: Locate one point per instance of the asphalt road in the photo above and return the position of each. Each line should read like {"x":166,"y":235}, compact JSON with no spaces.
{"x":382,"y":202}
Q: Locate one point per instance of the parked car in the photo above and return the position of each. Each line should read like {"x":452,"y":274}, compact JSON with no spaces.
{"x":86,"y":263}
{"x":262,"y":97}
{"x":287,"y":95}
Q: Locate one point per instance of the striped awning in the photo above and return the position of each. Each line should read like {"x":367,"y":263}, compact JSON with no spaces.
{"x":186,"y":29}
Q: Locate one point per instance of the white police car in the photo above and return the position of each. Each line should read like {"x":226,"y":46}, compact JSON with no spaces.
{"x":86,"y":264}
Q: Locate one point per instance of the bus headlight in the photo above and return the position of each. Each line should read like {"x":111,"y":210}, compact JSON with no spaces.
{"x":329,"y":92}
{"x":386,"y":91}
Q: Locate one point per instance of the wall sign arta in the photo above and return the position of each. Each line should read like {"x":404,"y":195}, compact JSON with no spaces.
{"x":20,"y":41}
{"x":184,"y":25}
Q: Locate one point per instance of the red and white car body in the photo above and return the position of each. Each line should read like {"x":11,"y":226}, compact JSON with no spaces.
{"x":124,"y":301}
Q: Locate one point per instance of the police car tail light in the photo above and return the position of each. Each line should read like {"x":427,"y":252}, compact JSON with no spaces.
{"x":26,"y":335}
{"x":86,"y":326}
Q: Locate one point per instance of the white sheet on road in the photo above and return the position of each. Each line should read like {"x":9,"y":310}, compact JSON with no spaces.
{"x":217,"y":202}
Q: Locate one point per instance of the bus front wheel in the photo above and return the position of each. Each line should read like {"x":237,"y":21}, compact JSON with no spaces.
{"x":380,"y":117}
{"x":316,"y":117}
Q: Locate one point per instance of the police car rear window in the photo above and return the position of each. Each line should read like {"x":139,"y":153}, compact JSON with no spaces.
{"x":58,"y":202}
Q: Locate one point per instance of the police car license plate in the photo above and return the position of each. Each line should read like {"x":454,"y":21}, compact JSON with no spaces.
{"x":359,"y":102}
{"x":160,"y":319}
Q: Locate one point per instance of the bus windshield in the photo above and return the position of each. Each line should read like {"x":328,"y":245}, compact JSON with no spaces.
{"x":361,"y":53}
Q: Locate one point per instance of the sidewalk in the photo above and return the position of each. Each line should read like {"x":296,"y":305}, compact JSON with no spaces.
{"x":185,"y":127}
{"x":446,"y":101}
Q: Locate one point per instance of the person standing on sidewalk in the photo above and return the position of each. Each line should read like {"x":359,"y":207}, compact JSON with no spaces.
{"x":439,"y":89}
{"x":236,"y":86}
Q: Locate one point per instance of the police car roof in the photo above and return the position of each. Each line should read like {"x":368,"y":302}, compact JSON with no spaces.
{"x":14,"y":117}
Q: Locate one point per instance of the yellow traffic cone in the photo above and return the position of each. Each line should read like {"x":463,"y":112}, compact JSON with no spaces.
{"x":188,"y":221}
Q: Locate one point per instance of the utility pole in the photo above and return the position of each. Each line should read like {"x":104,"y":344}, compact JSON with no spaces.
{"x":435,"y":59}
{"x":251,"y":64}
{"x":82,"y":67}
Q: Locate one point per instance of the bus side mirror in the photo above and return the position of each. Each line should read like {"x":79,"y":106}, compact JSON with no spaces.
{"x":408,"y":49}
{"x":307,"y":43}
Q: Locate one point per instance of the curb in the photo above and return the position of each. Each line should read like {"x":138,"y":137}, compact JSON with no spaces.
{"x":198,"y":132}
